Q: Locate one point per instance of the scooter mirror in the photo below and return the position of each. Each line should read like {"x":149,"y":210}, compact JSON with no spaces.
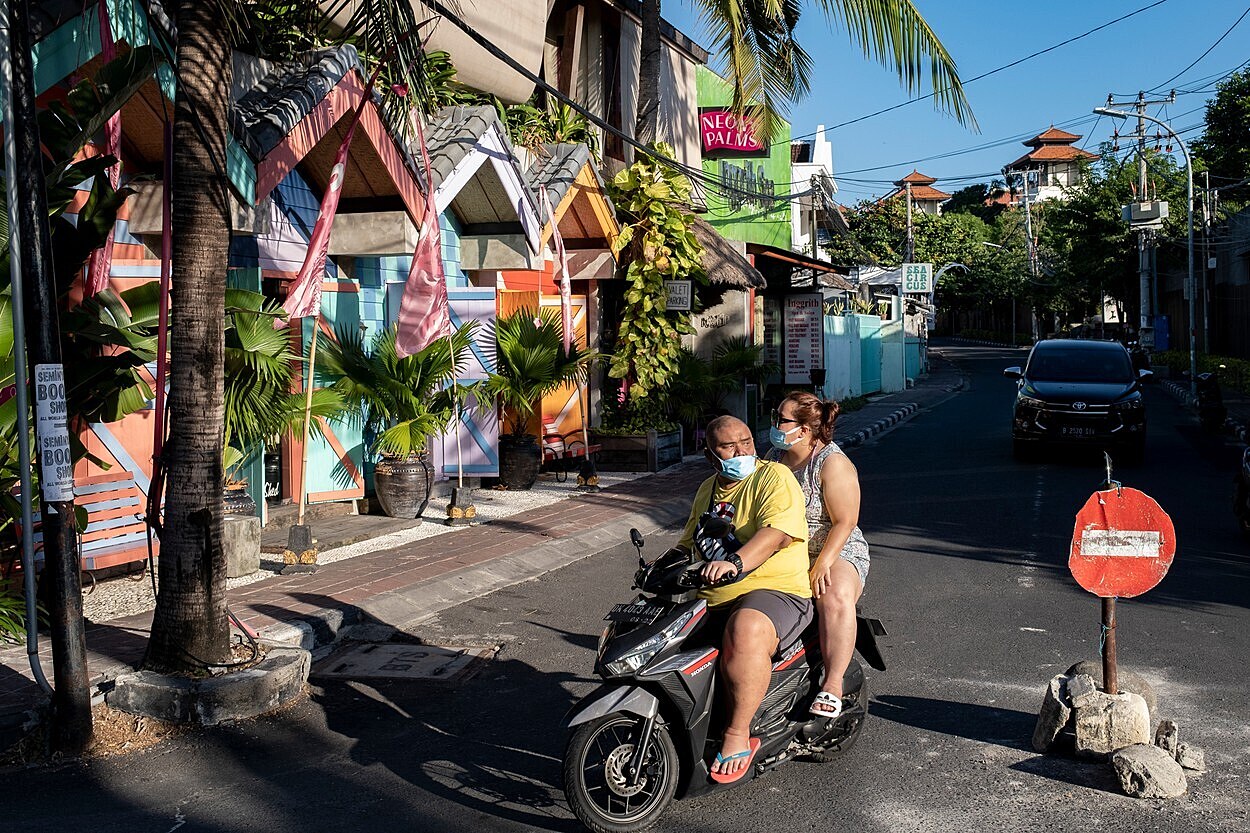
{"x":636,"y":537}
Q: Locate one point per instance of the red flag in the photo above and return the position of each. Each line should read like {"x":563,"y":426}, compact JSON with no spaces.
{"x":100,"y":264}
{"x":562,"y":257}
{"x":423,"y":313}
{"x":304,"y":297}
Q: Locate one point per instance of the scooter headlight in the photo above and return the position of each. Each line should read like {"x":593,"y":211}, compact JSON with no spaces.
{"x":646,"y":650}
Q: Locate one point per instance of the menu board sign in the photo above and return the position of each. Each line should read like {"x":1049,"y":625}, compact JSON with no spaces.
{"x":804,"y":337}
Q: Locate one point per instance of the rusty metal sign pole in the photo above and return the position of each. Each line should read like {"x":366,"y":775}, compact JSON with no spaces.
{"x":1110,"y":677}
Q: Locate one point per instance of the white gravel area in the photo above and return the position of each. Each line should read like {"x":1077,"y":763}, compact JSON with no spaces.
{"x":129,"y":595}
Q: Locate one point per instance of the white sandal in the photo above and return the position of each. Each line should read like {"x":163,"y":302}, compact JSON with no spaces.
{"x":832,"y":704}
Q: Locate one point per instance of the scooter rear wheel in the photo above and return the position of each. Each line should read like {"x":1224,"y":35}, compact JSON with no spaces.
{"x":596,"y":778}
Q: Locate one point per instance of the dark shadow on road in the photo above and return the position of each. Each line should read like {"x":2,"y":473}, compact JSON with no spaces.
{"x":589,"y":641}
{"x":987,"y":724}
{"x":1091,"y":774}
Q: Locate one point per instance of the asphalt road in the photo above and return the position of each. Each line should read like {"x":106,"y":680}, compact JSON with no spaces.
{"x":969,"y":575}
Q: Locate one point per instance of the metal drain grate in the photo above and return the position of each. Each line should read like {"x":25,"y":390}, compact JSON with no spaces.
{"x":409,"y":662}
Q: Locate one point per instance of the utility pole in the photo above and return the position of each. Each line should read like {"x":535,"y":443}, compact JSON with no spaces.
{"x":1145,"y":236}
{"x":71,"y":732}
{"x":1206,"y":260}
{"x":1028,"y":241}
{"x":911,"y":240}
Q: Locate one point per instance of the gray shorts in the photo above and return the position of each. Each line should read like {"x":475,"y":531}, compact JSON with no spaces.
{"x":789,"y":614}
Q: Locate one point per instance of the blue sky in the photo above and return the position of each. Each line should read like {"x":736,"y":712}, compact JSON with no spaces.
{"x":1060,"y":87}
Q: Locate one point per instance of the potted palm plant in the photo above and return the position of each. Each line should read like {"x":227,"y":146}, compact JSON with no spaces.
{"x":530,"y":363}
{"x":401,"y":402}
{"x":259,"y":405}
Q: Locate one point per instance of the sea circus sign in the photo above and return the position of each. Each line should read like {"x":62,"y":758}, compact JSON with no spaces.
{"x":1122,"y":545}
{"x":721,"y":130}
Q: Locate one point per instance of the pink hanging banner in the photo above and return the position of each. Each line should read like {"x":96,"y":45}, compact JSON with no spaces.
{"x":562,"y":259}
{"x":423,"y":312}
{"x":100,"y":264}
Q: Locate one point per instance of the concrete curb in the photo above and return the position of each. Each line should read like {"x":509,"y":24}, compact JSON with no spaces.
{"x":980,"y":343}
{"x":404,"y":608}
{"x":238,"y":695}
{"x":1181,"y":394}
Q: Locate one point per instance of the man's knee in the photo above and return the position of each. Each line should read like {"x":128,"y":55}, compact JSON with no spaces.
{"x":750,"y":631}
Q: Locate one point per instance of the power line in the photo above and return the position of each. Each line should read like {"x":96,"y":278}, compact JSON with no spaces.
{"x":1204,"y":54}
{"x":994,"y":71}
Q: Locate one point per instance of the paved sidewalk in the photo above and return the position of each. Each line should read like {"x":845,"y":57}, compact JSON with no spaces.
{"x":1237,"y":422}
{"x":401,"y":586}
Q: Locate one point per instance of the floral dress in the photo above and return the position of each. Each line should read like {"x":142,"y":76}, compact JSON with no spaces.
{"x":818,"y":524}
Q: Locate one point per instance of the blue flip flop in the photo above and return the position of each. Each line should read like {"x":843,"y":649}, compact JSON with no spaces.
{"x":730,"y":777}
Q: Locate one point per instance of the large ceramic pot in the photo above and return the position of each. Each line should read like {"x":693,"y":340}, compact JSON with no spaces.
{"x":403,"y":484}
{"x":519,"y":461}
{"x":237,"y":501}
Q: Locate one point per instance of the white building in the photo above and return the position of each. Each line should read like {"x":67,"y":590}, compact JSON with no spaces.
{"x":811,"y":170}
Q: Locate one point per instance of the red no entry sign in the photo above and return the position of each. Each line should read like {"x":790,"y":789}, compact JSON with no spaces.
{"x":1123,"y":544}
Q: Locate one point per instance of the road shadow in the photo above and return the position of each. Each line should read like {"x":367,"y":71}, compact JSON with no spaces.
{"x":986,"y":724}
{"x":1094,"y":775}
{"x":491,"y":745}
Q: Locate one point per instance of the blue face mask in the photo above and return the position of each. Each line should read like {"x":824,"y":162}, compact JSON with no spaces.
{"x":738,"y":468}
{"x":778,"y":438}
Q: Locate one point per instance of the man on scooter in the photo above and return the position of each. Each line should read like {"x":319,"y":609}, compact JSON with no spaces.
{"x":767,"y":595}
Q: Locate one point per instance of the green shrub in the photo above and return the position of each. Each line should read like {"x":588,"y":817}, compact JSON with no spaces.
{"x":1234,"y":375}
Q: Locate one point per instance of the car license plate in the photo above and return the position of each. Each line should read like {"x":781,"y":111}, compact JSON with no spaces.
{"x":635,"y":613}
{"x":1076,"y":431}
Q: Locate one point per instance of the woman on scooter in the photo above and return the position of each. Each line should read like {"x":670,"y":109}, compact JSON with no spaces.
{"x":802,"y":438}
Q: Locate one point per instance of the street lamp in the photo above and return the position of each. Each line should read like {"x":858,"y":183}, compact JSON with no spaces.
{"x":1189,"y":205}
{"x":1013,"y":296}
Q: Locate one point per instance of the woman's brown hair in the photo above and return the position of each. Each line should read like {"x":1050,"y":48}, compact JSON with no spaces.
{"x":818,"y":415}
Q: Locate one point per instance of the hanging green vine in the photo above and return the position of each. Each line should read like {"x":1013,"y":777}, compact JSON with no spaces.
{"x":656,"y":244}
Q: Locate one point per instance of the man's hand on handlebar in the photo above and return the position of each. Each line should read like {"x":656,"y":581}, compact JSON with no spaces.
{"x":719,"y":572}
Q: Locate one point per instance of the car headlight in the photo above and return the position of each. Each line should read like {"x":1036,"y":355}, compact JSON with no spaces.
{"x":645,"y":651}
{"x":1134,"y":404}
{"x":1030,"y":402}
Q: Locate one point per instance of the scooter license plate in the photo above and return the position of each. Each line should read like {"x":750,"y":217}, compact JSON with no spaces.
{"x":635,"y":613}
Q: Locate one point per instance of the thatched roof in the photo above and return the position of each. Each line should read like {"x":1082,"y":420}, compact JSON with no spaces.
{"x":724,"y":265}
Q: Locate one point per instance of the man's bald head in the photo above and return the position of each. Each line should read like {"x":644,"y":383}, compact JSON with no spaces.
{"x":728,"y":436}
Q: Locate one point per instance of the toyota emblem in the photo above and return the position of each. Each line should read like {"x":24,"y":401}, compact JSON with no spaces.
{"x":1078,"y":406}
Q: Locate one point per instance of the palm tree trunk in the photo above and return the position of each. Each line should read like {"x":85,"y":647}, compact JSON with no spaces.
{"x":190,"y":628}
{"x":647,"y":127}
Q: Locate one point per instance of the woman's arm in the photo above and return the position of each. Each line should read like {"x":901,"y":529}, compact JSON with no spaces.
{"x":839,"y":488}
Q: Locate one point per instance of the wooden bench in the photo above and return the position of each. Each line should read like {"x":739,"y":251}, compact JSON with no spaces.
{"x":116,"y":532}
{"x":561,"y":452}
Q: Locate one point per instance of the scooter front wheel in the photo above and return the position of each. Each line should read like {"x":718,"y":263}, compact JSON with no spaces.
{"x":601,"y":789}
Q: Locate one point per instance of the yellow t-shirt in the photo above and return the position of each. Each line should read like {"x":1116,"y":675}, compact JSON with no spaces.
{"x":769,"y":497}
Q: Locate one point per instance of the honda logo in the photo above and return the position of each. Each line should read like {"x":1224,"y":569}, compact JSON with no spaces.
{"x":1078,"y":406}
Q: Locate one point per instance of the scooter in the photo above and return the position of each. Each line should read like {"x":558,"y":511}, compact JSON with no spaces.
{"x":649,"y":732}
{"x":1211,"y":410}
{"x":1241,"y":494}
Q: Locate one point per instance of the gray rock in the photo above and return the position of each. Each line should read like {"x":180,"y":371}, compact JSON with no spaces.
{"x":1108,"y":723}
{"x":1146,"y":771}
{"x":1054,"y":715}
{"x":1129,"y":681}
{"x":1081,"y":689}
{"x":1167,"y":736}
{"x":1191,"y":757}
{"x":240,"y":539}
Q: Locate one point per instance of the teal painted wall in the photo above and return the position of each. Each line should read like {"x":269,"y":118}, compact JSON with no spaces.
{"x":749,"y":221}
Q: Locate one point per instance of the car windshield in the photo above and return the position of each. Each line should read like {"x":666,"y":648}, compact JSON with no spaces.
{"x":1077,"y":365}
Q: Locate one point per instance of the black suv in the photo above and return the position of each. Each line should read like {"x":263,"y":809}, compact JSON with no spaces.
{"x":1081,"y":393}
